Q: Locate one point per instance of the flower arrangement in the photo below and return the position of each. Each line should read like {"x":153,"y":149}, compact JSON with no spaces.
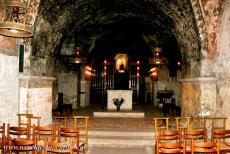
{"x":118,"y":102}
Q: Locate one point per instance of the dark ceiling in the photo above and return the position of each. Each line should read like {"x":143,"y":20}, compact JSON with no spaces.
{"x":105,"y":27}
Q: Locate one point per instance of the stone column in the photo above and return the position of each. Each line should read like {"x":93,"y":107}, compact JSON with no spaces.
{"x":84,"y":89}
{"x":198,"y":96}
{"x":35,"y":97}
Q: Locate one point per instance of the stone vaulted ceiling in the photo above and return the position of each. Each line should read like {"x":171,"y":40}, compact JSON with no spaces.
{"x":101,"y":26}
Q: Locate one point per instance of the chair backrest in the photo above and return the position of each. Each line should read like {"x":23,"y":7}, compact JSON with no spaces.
{"x":160,"y":124}
{"x":19,"y":139}
{"x":196,"y":134}
{"x":17,"y":132}
{"x":3,"y":137}
{"x":205,"y":147}
{"x":198,"y":122}
{"x":26,"y":121}
{"x":22,"y":145}
{"x":56,"y":114}
{"x":216,"y":122}
{"x":2,"y":131}
{"x":68,"y":133}
{"x":60,"y":147}
{"x":81,"y":122}
{"x":220,"y":134}
{"x":182,"y":123}
{"x":44,"y":133}
{"x":59,"y":122}
{"x":169,"y":135}
{"x":168,"y":147}
{"x":205,"y":122}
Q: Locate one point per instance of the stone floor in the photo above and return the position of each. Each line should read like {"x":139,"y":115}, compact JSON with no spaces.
{"x":145,"y":123}
{"x":126,"y":144}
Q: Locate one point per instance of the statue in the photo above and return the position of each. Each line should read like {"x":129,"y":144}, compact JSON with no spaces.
{"x":121,"y":79}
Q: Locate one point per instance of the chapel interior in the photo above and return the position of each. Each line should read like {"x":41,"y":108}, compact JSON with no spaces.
{"x":162,"y":57}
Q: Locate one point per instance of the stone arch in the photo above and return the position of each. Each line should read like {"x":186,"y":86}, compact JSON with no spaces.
{"x":184,"y":20}
{"x":51,"y":28}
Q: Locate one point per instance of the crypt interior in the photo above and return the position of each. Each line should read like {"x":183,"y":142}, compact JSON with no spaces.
{"x":80,"y":50}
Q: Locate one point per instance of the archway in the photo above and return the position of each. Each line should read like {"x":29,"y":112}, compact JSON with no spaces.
{"x":171,"y":25}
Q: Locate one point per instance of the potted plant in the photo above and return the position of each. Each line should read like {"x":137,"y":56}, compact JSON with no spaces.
{"x":118,"y":102}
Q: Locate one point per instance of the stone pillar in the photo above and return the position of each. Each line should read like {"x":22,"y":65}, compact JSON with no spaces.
{"x":8,"y":89}
{"x":85,"y":93}
{"x":198,"y":96}
{"x":35,"y":97}
{"x":84,"y":88}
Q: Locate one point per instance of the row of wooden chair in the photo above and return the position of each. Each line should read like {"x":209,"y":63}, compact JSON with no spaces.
{"x":173,"y":141}
{"x":81,"y":122}
{"x":182,"y":123}
{"x":19,"y":139}
{"x":57,"y":121}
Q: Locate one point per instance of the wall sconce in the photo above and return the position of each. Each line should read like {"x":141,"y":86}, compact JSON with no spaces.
{"x":89,"y":72}
{"x":16,"y":20}
{"x":154,"y":73}
{"x":157,"y":58}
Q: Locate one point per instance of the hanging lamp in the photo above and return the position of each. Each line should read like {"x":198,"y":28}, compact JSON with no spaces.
{"x":16,"y":20}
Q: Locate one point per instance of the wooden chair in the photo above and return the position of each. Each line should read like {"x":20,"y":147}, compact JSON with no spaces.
{"x":221,"y":135}
{"x":18,"y":132}
{"x":160,"y":123}
{"x":194,"y":135}
{"x":197,"y":134}
{"x":170,"y":148}
{"x":22,"y":146}
{"x":216,"y":122}
{"x":56,"y":114}
{"x":212,"y":122}
{"x":205,"y":147}
{"x":18,"y":138}
{"x":182,"y":123}
{"x":26,"y":120}
{"x":169,"y":135}
{"x":73,"y":135}
{"x":59,"y":147}
{"x":81,"y":122}
{"x":198,"y":123}
{"x":3,"y":138}
{"x":43,"y":134}
{"x":59,"y":122}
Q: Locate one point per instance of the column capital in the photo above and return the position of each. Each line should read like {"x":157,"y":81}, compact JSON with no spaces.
{"x":36,"y":78}
{"x":199,"y":79}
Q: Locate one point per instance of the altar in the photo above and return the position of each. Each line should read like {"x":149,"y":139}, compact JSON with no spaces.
{"x":125,"y":94}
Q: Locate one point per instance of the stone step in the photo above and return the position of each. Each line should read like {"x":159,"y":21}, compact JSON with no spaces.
{"x":121,"y":138}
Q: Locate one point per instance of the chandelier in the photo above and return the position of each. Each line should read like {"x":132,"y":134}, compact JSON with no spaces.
{"x":16,"y":19}
{"x":156,"y":61}
{"x":157,"y":58}
{"x":75,"y":58}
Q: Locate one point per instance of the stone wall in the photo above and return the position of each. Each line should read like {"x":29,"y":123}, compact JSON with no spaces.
{"x":67,"y":84}
{"x":199,"y":96}
{"x":169,"y":83}
{"x":223,"y":62}
{"x":8,"y":89}
{"x":36,"y":97}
